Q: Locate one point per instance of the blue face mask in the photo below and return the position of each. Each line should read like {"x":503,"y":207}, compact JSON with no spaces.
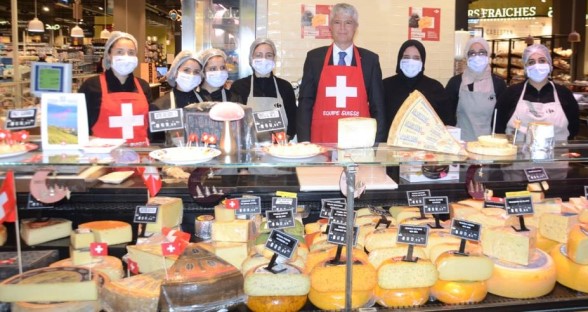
{"x":411,"y":67}
{"x":217,"y":79}
{"x":478,"y":63}
{"x":538,"y":72}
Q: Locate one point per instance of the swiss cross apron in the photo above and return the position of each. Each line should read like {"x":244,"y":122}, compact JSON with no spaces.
{"x":122,"y":114}
{"x":263,"y":103}
{"x":341,"y":93}
{"x":474,"y":113}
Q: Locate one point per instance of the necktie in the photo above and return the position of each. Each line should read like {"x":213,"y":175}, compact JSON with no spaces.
{"x":342,"y":58}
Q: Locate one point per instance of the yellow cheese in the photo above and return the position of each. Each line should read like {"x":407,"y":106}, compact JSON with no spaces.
{"x":89,"y":305}
{"x":475,"y":203}
{"x":135,"y":293}
{"x":548,"y":205}
{"x":80,"y":256}
{"x":397,"y":274}
{"x":523,"y":281}
{"x":583,"y":216}
{"x":355,"y":132}
{"x":401,"y":298}
{"x":223,"y":214}
{"x":538,"y":186}
{"x":578,"y":244}
{"x":363,"y":231}
{"x":557,"y":226}
{"x":381,"y":238}
{"x":454,"y":292}
{"x":81,"y":238}
{"x":363,"y":212}
{"x":35,"y":232}
{"x":440,"y":237}
{"x":545,"y":244}
{"x":233,"y":253}
{"x":150,"y":258}
{"x":110,"y":231}
{"x":407,"y":213}
{"x":436,"y":250}
{"x":378,"y":256}
{"x":488,"y":219}
{"x":506,"y":244}
{"x":169,"y":214}
{"x":257,"y":259}
{"x":454,"y":267}
{"x":3,"y":234}
{"x":291,"y":282}
{"x":579,"y":202}
{"x":238,"y":231}
{"x":395,"y":210}
{"x":108,"y":265}
{"x":460,"y":211}
{"x":569,"y":273}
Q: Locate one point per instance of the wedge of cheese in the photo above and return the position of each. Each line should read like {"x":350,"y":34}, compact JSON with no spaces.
{"x":149,"y":257}
{"x":169,"y":213}
{"x":506,"y":244}
{"x":135,"y":293}
{"x":223,"y":214}
{"x":81,"y":238}
{"x":557,"y":226}
{"x":577,"y":245}
{"x":237,"y":231}
{"x":35,"y":232}
{"x":356,"y":132}
{"x":111,"y":232}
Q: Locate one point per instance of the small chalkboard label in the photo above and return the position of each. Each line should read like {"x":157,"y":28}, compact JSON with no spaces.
{"x":412,"y":234}
{"x":279,"y":219}
{"x":536,"y":174}
{"x":146,"y":214}
{"x":163,"y":120}
{"x":466,"y":229}
{"x":339,"y":216}
{"x":435,"y":205}
{"x":415,"y":198}
{"x":249,"y":205}
{"x":32,"y":203}
{"x":338,"y":234}
{"x":284,"y":203}
{"x":270,"y":120}
{"x":21,"y":119}
{"x":281,"y":243}
{"x":329,"y":203}
{"x":519,"y":205}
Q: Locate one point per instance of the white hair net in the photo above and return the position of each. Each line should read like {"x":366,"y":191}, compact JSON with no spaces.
{"x":536,"y":48}
{"x":180,"y":59}
{"x":207,"y":54}
{"x":114,"y":36}
{"x":256,"y":43}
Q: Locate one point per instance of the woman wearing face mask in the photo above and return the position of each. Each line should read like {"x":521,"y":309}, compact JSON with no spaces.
{"x":409,"y":77}
{"x":473,"y":94}
{"x":184,"y":75}
{"x":538,"y":99}
{"x":214,"y":62}
{"x":118,"y":102}
{"x":268,"y":91}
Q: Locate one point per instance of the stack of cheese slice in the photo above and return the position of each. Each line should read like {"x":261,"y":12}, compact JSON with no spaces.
{"x":135,"y":293}
{"x":35,"y":232}
{"x":169,"y":213}
{"x":404,"y":283}
{"x":79,"y":248}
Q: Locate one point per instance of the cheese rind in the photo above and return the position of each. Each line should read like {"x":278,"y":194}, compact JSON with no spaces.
{"x":291,"y":282}
{"x":569,"y":273}
{"x":107,"y":265}
{"x":111,"y":232}
{"x":453,"y":292}
{"x":577,"y":245}
{"x":454,"y":267}
{"x":401,"y":298}
{"x":169,"y":213}
{"x":35,"y":232}
{"x":356,"y":132}
{"x":136,"y":293}
{"x":237,"y":231}
{"x":398,"y":274}
{"x":506,"y":244}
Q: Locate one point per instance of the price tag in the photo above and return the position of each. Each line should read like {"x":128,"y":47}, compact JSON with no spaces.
{"x":415,"y":198}
{"x":435,"y":205}
{"x":249,"y":205}
{"x":32,"y":203}
{"x":494,"y":202}
{"x":466,"y":229}
{"x":338,"y":234}
{"x":519,"y":205}
{"x":536,"y":174}
{"x":339,"y":216}
{"x":280,"y":219}
{"x":21,"y":119}
{"x":284,"y":203}
{"x":412,"y":234}
{"x":146,"y":214}
{"x":270,"y":120}
{"x":171,"y":119}
{"x":281,"y":243}
{"x":329,"y":203}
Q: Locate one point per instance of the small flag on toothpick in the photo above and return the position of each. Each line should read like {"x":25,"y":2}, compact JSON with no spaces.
{"x":98,"y":249}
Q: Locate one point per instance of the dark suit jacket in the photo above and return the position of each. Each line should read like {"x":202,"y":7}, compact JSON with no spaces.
{"x":372,"y":76}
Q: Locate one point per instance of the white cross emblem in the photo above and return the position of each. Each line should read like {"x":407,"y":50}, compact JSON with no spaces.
{"x":232,"y":203}
{"x":132,"y":266}
{"x":126,"y":121}
{"x":171,"y":248}
{"x":99,"y":249}
{"x":3,"y":200}
{"x":341,"y":91}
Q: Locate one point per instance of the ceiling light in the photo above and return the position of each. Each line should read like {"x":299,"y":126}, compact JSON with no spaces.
{"x":35,"y":25}
{"x":105,"y":34}
{"x":77,"y":32}
{"x":45,"y":8}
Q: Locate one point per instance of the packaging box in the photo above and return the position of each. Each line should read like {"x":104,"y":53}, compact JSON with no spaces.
{"x":30,"y":260}
{"x":414,"y":173}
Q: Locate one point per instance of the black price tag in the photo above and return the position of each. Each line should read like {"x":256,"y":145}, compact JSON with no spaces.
{"x":519,"y":205}
{"x":171,"y":119}
{"x":412,"y":234}
{"x":536,"y":174}
{"x":339,"y":216}
{"x":32,"y":203}
{"x":435,"y":205}
{"x":21,"y":119}
{"x":415,"y":198}
{"x":330,"y":203}
{"x":338,"y":234}
{"x":270,"y":120}
{"x":249,"y":205}
{"x":281,"y":243}
{"x":466,"y":229}
{"x":284,"y":203}
{"x":146,"y":214}
{"x":280,"y":219}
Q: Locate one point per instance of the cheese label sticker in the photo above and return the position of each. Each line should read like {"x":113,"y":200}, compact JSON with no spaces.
{"x":270,"y":120}
{"x":519,"y":205}
{"x":21,"y":119}
{"x":536,"y":174}
{"x":170,"y":119}
{"x":249,"y":205}
{"x":281,"y":243}
{"x":328,"y":203}
{"x":435,"y":205}
{"x":415,"y":198}
{"x":146,"y":214}
{"x":338,"y":234}
{"x":412,"y":234}
{"x":279,"y":219}
{"x":339,"y":216}
{"x":284,"y":203}
{"x":466,"y":229}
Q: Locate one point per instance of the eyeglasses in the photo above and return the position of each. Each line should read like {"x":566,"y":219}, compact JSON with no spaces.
{"x":479,"y":53}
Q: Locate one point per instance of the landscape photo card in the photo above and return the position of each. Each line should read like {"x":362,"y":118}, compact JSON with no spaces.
{"x":64,"y":121}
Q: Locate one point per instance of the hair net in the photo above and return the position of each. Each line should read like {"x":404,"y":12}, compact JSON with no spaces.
{"x":114,"y":36}
{"x":344,"y":8}
{"x":536,"y":48}
{"x":256,"y":43}
{"x":479,"y":40}
{"x":180,"y":59}
{"x":207,"y":54}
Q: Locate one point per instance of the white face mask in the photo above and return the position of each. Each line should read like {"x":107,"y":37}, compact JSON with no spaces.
{"x":411,"y":67}
{"x":124,"y":64}
{"x":187,"y":82}
{"x":538,"y":72}
{"x":217,"y":78}
{"x":478,"y":63}
{"x":263,"y":66}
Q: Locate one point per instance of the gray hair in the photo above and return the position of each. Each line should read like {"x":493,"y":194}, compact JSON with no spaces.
{"x":258,"y":42}
{"x":207,"y":54}
{"x":180,"y":59}
{"x":346,"y":9}
{"x":536,"y":48}
{"x":114,"y":37}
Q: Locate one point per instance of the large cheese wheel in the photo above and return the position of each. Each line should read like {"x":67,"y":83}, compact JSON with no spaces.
{"x":378,"y":256}
{"x":108,"y":265}
{"x":523,"y":281}
{"x":284,"y":291}
{"x":578,"y":244}
{"x":256,"y":260}
{"x":401,"y":298}
{"x":328,"y":252}
{"x":454,"y":267}
{"x":136,"y":293}
{"x":398,"y":274}
{"x":381,"y":238}
{"x":276,"y":303}
{"x":544,"y":243}
{"x":452,"y":292}
{"x":335,"y":300}
{"x":569,"y":273}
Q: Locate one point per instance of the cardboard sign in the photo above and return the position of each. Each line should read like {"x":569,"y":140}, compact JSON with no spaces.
{"x":519,"y":205}
{"x":329,"y":203}
{"x":249,"y":205}
{"x":284,"y":203}
{"x":466,"y":229}
{"x":536,"y":174}
{"x":163,"y":120}
{"x":21,"y":119}
{"x":435,"y":205}
{"x":415,"y":198}
{"x":270,"y":120}
{"x":279,"y":219}
{"x":412,"y":234}
{"x":338,"y":234}
{"x":281,"y":243}
{"x":146,"y":214}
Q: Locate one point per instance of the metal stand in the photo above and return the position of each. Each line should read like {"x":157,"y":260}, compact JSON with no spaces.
{"x":350,"y":171}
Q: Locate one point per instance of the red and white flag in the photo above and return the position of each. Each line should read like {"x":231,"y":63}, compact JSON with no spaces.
{"x":133,"y":266}
{"x":8,"y":199}
{"x":171,"y":248}
{"x":232,"y":203}
{"x":98,"y":249}
{"x":151,"y":179}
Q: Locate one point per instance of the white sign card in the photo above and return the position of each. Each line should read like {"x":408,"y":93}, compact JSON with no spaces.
{"x":64,"y":121}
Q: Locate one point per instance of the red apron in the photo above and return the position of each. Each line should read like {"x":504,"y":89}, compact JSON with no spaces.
{"x":341,"y":93}
{"x":122,"y":114}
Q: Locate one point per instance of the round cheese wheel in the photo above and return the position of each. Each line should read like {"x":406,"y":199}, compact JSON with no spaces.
{"x":577,"y":245}
{"x":276,"y":303}
{"x":477,"y":148}
{"x":328,"y":253}
{"x":111,"y":266}
{"x":451,"y":292}
{"x":569,"y":273}
{"x":401,"y":298}
{"x":523,"y":281}
{"x":292,"y":281}
{"x":335,"y":300}
{"x":381,"y":238}
{"x":544,"y":243}
{"x":56,"y":306}
{"x":492,"y":141}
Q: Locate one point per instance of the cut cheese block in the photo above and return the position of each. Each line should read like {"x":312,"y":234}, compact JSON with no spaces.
{"x":398,"y":274}
{"x":454,"y":267}
{"x":440,"y":237}
{"x":401,"y":298}
{"x":548,"y":205}
{"x":90,"y":305}
{"x":223,"y":214}
{"x":395,"y":210}
{"x":538,"y":186}
{"x":107,"y":265}
{"x":169,"y":214}
{"x":557,"y":226}
{"x":233,"y":253}
{"x":417,"y":125}
{"x":380,"y":255}
{"x":461,"y":211}
{"x":80,"y":256}
{"x":290,"y":282}
{"x":52,"y":284}
{"x":81,"y":238}
{"x":477,"y":148}
{"x":356,"y":132}
{"x":35,"y":232}
{"x":381,"y":238}
{"x":523,"y":281}
{"x":257,"y":259}
{"x":111,"y":232}
{"x":3,"y":235}
{"x":578,"y":244}
{"x":238,"y":231}
{"x":407,"y":213}
{"x":488,"y":219}
{"x":581,"y":203}
{"x":453,"y":292}
{"x":569,"y":273}
{"x":149,"y":257}
{"x":135,"y":293}
{"x":506,"y":244}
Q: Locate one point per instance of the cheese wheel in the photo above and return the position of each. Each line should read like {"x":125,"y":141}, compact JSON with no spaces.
{"x":492,"y":141}
{"x":398,"y":274}
{"x":276,"y":303}
{"x":578,"y":244}
{"x":523,"y":281}
{"x":291,"y":282}
{"x":381,"y":238}
{"x":108,"y":265}
{"x":471,"y":268}
{"x":3,"y":235}
{"x":35,"y":232}
{"x":257,"y":259}
{"x":111,"y":232}
{"x":569,"y":273}
{"x":378,"y":256}
{"x":401,"y":298}
{"x":328,"y":252}
{"x":327,"y":278}
{"x":557,"y":226}
{"x":136,"y":293}
{"x":477,"y":148}
{"x":452,"y":292}
{"x":56,"y":307}
{"x":335,"y":300}
{"x":438,"y":249}
{"x":545,"y":244}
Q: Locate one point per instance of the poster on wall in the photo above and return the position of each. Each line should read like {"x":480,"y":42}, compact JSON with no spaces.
{"x":424,"y":23}
{"x":314,"y":21}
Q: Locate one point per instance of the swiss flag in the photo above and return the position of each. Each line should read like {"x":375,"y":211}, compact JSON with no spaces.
{"x":7,"y":199}
{"x":151,"y":179}
{"x":232,"y":203}
{"x":98,"y":249}
{"x":172,"y":248}
{"x":133,"y":266}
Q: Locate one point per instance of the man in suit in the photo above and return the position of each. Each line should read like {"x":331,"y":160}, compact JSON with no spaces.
{"x":335,"y":85}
